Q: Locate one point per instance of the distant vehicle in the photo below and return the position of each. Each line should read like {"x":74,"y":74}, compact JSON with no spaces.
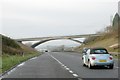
{"x":97,"y":57}
{"x":46,"y":50}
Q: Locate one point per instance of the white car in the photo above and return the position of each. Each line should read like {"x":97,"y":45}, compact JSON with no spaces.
{"x":97,"y":57}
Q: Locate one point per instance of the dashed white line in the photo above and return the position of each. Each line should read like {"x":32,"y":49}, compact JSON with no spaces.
{"x":75,"y":75}
{"x":65,"y":66}
{"x":70,"y":71}
{"x":67,"y":69}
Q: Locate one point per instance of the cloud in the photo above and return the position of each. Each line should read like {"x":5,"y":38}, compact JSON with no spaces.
{"x":31,"y":18}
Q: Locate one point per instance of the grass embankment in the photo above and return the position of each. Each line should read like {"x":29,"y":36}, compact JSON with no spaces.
{"x":103,"y":41}
{"x":9,"y":61}
{"x":13,"y":53}
{"x":108,"y":39}
{"x":0,"y":64}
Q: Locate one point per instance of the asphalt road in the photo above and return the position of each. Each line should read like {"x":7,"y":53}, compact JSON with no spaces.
{"x":74,"y":62}
{"x":59,"y":65}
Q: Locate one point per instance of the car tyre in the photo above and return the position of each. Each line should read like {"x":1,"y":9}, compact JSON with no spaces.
{"x":89,"y":65}
{"x":111,"y":66}
{"x":84,"y":64}
{"x":83,"y":61}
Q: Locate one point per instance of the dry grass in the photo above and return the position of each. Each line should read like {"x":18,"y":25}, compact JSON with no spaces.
{"x":106,"y":40}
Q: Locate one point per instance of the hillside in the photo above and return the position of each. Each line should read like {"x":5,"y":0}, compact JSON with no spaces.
{"x":14,"y":53}
{"x":108,"y":39}
{"x":11,"y":47}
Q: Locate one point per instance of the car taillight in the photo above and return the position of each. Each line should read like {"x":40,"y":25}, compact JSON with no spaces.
{"x":93,"y":58}
{"x":110,"y":58}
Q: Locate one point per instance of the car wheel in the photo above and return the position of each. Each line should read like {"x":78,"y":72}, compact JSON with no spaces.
{"x":84,"y":64}
{"x":111,"y":66}
{"x":83,"y":61}
{"x":89,"y":65}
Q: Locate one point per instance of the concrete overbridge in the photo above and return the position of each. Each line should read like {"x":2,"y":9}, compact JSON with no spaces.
{"x":45,"y":39}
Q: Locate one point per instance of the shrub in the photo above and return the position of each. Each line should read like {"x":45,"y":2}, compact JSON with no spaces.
{"x":9,"y":42}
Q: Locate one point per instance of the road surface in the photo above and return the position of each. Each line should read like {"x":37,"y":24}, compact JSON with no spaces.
{"x":59,"y":65}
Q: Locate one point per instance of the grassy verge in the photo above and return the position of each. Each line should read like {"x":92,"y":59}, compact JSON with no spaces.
{"x":116,"y":56}
{"x":8,"y":61}
{"x":0,"y":64}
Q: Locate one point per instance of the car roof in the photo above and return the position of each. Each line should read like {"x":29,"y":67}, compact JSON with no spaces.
{"x":98,"y":48}
{"x":86,"y":48}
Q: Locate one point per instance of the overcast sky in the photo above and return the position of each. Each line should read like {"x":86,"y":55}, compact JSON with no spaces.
{"x":36,"y":18}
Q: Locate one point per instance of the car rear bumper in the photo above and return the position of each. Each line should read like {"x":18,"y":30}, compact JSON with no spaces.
{"x":102,"y":64}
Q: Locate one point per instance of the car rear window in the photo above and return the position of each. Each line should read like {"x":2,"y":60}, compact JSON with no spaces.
{"x":99,"y":51}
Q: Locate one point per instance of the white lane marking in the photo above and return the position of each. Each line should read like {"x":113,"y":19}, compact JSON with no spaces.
{"x":1,"y":77}
{"x":11,"y":71}
{"x":75,"y":75}
{"x":70,"y":71}
{"x":33,"y":58}
{"x":65,"y":66}
{"x":67,"y":69}
{"x":21,"y":64}
{"x":16,"y":68}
